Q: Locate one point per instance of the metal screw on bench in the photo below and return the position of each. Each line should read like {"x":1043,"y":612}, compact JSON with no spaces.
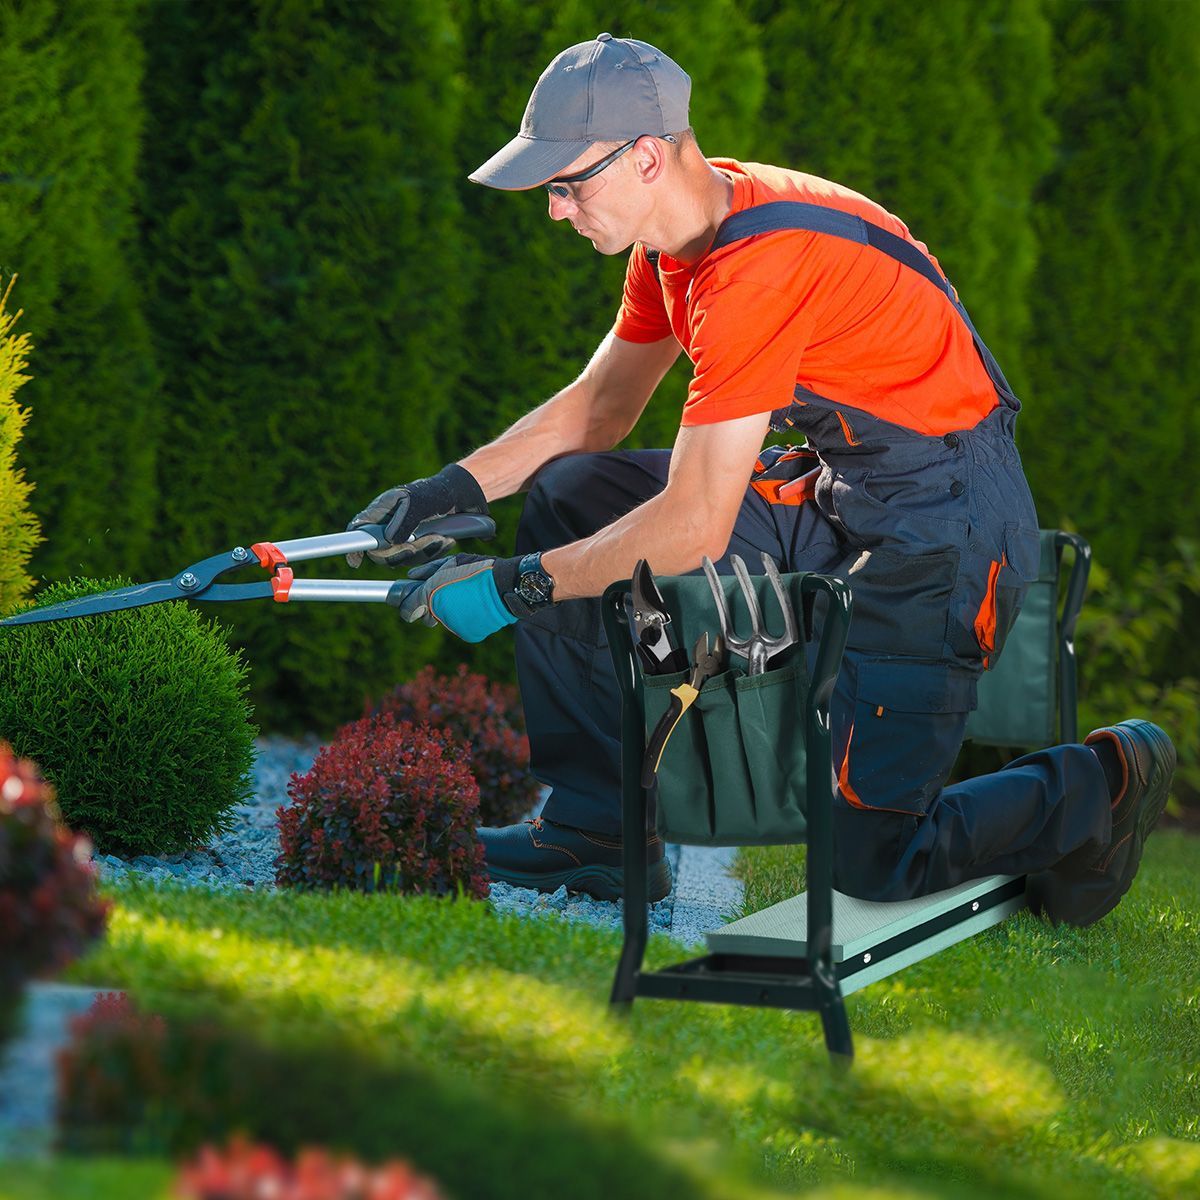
{"x":240,"y":554}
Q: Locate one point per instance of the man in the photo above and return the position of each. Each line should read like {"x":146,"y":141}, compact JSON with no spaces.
{"x":821,"y":315}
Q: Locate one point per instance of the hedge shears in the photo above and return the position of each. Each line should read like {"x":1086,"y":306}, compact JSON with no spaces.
{"x":199,"y":581}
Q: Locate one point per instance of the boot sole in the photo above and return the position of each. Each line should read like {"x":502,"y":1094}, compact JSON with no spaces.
{"x":602,"y":883}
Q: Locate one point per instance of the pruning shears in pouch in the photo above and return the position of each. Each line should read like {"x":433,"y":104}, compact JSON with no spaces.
{"x":706,"y":664}
{"x":199,"y":581}
{"x":649,"y":617}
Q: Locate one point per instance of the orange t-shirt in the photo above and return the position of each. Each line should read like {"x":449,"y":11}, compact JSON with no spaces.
{"x":842,"y":319}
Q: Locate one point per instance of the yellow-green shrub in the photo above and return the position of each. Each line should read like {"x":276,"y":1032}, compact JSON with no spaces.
{"x":18,"y":525}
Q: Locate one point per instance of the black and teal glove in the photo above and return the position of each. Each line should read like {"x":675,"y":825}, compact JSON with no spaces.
{"x":401,"y":509}
{"x":470,"y":595}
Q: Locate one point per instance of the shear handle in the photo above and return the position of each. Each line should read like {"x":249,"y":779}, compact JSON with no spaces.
{"x":370,"y":537}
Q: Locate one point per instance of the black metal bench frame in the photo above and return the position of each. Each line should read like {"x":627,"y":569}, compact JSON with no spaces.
{"x":809,"y":983}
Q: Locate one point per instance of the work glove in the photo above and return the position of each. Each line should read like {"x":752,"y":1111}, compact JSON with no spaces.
{"x":470,"y":595}
{"x":401,"y":509}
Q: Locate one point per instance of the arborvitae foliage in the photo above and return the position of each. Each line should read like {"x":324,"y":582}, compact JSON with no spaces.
{"x":18,"y":525}
{"x":1117,"y":296}
{"x":68,"y":149}
{"x":138,"y":718}
{"x":303,"y":220}
{"x":935,"y":112}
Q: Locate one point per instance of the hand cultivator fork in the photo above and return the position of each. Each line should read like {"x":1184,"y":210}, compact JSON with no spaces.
{"x":760,"y":645}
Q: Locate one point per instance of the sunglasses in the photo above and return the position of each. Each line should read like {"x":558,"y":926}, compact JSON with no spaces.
{"x":561,"y":187}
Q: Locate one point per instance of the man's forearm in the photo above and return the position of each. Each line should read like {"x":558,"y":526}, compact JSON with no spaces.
{"x":671,"y":537}
{"x":564,"y":424}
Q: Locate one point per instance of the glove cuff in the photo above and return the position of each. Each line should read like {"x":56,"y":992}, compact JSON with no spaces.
{"x":463,"y":488}
{"x":504,"y":573}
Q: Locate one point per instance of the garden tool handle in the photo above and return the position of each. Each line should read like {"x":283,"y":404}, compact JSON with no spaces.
{"x":708,"y":663}
{"x":681,"y":700}
{"x":370,"y":537}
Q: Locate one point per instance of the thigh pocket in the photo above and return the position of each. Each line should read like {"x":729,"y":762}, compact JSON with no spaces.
{"x":733,"y":771}
{"x":1007,"y":582}
{"x":908,"y":726}
{"x":901,"y":598}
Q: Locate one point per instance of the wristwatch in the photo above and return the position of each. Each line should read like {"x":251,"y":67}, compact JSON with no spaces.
{"x":534,"y":585}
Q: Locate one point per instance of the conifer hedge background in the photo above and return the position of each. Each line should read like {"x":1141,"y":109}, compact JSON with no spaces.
{"x":70,"y":129}
{"x":261,"y":288}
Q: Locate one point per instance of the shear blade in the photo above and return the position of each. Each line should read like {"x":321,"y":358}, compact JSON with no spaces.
{"x":102,"y":602}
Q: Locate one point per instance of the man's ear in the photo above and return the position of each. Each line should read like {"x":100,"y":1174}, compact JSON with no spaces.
{"x":650,"y":159}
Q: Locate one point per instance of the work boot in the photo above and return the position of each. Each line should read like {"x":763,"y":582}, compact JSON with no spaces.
{"x":1080,"y":892}
{"x":544,"y":855}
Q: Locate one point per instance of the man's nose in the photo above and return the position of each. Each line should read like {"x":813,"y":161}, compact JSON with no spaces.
{"x":561,"y":207}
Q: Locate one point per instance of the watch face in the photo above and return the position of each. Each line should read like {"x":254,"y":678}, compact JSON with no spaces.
{"x":535,"y":587}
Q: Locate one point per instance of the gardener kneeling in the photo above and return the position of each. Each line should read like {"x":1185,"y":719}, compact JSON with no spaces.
{"x":815,"y":311}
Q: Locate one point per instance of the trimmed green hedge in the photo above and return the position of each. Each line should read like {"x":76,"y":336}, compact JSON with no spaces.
{"x":69,"y":141}
{"x":1116,"y":337}
{"x":304,"y":224}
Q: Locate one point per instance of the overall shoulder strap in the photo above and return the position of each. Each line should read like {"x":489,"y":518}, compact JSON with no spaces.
{"x":817,"y":218}
{"x":795,"y":214}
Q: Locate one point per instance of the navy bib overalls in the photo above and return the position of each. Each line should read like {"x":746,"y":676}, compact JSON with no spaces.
{"x":937,"y":538}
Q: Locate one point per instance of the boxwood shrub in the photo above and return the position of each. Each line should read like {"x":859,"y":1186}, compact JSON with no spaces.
{"x":138,"y":718}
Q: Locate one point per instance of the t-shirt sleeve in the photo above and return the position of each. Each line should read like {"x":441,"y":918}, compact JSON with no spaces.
{"x":747,"y":342}
{"x":642,"y":316}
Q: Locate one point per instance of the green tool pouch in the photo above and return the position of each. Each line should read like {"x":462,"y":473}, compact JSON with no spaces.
{"x":733,"y":771}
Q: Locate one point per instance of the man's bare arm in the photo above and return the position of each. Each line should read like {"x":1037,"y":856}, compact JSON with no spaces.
{"x":694,"y":516}
{"x":593,"y":413}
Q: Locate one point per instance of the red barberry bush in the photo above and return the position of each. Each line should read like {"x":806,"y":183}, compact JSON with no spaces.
{"x":49,"y":909}
{"x":487,"y":718}
{"x":112,"y":1063}
{"x":129,"y":1082}
{"x":243,"y":1171}
{"x":387,"y":806}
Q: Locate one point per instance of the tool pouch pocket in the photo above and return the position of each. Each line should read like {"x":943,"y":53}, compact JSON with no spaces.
{"x":733,"y":771}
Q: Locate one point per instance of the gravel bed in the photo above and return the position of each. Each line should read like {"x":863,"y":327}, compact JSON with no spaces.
{"x":244,"y":859}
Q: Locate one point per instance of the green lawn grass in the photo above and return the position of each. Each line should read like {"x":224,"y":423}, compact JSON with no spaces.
{"x":1030,"y":1061}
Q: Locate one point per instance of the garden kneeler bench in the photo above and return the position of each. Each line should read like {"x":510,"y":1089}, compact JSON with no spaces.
{"x":1031,"y":690}
{"x":767,"y":958}
{"x":786,"y":800}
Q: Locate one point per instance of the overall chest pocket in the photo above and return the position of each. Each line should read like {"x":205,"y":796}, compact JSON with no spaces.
{"x":909,"y":719}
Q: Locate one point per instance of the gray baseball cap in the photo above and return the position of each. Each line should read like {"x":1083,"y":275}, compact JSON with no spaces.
{"x":606,"y":90}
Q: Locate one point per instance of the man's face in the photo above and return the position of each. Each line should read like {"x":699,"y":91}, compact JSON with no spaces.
{"x":603,"y":209}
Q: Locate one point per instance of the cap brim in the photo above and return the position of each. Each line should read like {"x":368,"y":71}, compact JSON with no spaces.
{"x":527,"y":163}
